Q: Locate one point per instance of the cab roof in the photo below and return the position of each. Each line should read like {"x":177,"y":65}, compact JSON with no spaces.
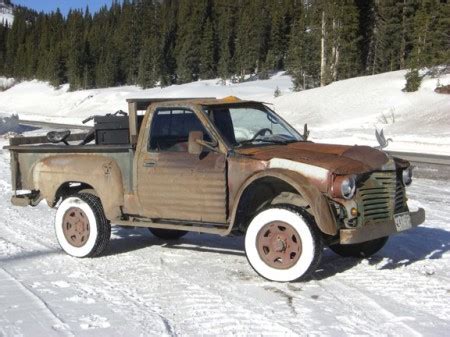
{"x":143,"y":103}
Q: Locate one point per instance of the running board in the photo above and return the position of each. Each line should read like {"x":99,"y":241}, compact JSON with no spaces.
{"x":219,"y":229}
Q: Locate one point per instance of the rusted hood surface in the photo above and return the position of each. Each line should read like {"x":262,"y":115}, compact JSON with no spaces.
{"x":339,"y":159}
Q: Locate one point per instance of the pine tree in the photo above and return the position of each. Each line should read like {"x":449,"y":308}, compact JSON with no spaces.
{"x":278,"y":38}
{"x":390,"y":39}
{"x":345,"y":55}
{"x":149,"y":71}
{"x":296,"y":58}
{"x":208,"y":52}
{"x":128,"y":40}
{"x":226,"y":37}
{"x":168,"y":12}
{"x":3,"y":38}
{"x":149,"y":64}
{"x":76,"y":49}
{"x":431,"y":31}
{"x":191,"y":16}
{"x":251,"y":37}
{"x":57,"y":65}
{"x":107,"y":69}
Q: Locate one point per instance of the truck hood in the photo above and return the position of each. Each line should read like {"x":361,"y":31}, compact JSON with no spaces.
{"x":339,"y":159}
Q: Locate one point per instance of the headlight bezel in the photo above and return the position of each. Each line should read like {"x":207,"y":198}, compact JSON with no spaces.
{"x":344,"y":187}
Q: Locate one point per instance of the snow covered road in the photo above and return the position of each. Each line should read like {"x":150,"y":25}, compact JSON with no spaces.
{"x":203,"y":285}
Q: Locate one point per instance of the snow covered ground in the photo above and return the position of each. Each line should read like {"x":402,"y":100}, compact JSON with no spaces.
{"x":203,"y":285}
{"x":344,"y":112}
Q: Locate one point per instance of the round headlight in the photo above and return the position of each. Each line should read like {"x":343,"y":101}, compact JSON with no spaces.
{"x":348,"y":187}
{"x":407,"y":176}
{"x":344,"y":187}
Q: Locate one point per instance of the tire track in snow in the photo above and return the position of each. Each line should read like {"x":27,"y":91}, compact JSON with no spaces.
{"x":246,"y":314}
{"x":39,"y":306}
{"x":366,"y":309}
{"x":105,"y":289}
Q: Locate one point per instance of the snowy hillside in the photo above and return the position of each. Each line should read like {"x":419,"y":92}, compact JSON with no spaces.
{"x":343,"y":112}
{"x":6,"y":14}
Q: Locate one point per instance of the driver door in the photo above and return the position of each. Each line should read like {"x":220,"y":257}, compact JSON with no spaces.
{"x":174,"y":184}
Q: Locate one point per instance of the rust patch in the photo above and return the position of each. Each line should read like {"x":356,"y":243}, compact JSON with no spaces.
{"x":339,"y":159}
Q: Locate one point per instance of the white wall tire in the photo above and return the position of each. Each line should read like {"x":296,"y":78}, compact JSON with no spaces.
{"x":304,"y":228}
{"x":99,"y":228}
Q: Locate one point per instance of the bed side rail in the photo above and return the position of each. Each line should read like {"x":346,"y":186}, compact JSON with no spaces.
{"x":15,"y":141}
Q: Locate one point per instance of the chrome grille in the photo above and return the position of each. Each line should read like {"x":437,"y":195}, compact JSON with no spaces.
{"x":380,"y":196}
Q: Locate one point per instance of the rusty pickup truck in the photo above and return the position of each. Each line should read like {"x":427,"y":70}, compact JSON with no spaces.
{"x":218,"y":166}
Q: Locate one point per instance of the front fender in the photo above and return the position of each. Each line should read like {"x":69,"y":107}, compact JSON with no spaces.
{"x":100,"y":172}
{"x":320,"y":207}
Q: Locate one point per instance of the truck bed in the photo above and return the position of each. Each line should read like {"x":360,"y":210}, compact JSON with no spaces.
{"x":25,"y":153}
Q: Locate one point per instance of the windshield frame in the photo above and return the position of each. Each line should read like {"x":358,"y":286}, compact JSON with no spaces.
{"x":257,"y":106}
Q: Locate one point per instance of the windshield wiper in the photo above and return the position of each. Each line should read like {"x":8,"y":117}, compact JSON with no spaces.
{"x":274,"y":141}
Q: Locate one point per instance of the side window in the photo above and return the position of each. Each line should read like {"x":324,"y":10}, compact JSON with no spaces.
{"x":170,"y":130}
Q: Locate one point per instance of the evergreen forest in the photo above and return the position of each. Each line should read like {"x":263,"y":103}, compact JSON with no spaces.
{"x":162,"y":42}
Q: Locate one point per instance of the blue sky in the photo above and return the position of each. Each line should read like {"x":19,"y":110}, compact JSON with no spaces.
{"x":63,"y":5}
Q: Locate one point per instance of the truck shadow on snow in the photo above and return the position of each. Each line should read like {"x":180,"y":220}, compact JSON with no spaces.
{"x":126,"y":240}
{"x":422,"y":243}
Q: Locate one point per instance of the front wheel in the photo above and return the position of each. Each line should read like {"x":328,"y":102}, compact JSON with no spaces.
{"x":360,"y":250}
{"x":283,"y":244}
{"x":81,"y":227}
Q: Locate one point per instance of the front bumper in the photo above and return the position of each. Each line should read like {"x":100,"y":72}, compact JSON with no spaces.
{"x":378,"y":230}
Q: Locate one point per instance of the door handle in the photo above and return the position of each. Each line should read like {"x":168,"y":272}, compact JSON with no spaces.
{"x":149,"y":163}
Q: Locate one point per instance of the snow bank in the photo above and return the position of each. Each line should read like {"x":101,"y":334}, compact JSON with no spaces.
{"x":349,"y":111}
{"x":6,"y":83}
{"x":344,"y":112}
{"x":36,"y":100}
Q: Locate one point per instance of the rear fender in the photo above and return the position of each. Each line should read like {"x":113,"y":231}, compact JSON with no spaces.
{"x":100,"y":172}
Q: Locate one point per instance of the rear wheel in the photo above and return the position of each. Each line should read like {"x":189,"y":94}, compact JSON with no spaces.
{"x":167,"y":234}
{"x":81,"y":227}
{"x":360,"y":250}
{"x":283,"y":244}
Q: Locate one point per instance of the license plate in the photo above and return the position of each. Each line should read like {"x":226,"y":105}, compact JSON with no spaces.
{"x":402,"y":221}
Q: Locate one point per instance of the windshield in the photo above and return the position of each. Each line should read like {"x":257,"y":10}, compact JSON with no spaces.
{"x":245,"y":125}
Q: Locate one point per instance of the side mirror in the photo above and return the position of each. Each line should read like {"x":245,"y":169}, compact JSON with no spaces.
{"x":195,"y":138}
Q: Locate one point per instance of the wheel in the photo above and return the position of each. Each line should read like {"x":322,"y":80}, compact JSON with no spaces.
{"x":364,"y":249}
{"x":283,"y":244}
{"x":81,"y":227}
{"x":167,"y":234}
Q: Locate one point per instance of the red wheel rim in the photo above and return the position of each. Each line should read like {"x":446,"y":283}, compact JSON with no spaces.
{"x":76,"y":227}
{"x":279,"y":245}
